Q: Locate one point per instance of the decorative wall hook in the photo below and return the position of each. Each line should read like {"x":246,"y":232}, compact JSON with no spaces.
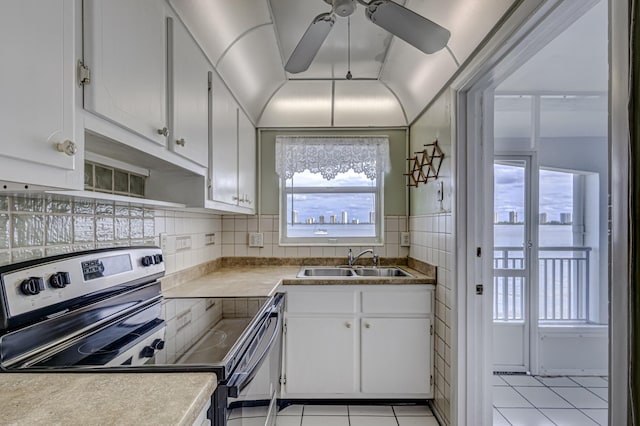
{"x":430,"y":158}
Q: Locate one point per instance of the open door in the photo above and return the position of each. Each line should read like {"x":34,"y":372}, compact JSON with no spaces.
{"x":512,"y":260}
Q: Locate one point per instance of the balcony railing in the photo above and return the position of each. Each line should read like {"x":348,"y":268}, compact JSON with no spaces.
{"x":563,"y":284}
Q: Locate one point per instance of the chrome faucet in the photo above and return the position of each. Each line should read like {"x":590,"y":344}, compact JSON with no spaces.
{"x":351,"y":259}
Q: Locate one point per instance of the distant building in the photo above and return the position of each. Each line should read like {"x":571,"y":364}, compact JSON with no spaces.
{"x":321,"y":219}
{"x":513,"y":217}
{"x":355,"y":221}
{"x":332,"y":218}
{"x":311,"y":220}
{"x":543,"y":218}
{"x":372,"y":217}
{"x":495,"y":217}
{"x":565,"y":218}
{"x":345,"y":218}
{"x":295,"y":216}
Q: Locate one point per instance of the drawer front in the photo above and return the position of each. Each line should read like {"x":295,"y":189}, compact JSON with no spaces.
{"x":321,"y":302}
{"x":397,"y":301}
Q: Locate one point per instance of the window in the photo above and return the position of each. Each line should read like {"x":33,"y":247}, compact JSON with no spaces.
{"x":331,"y":189}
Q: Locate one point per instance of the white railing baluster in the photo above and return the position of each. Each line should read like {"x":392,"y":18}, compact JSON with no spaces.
{"x":563,"y":284}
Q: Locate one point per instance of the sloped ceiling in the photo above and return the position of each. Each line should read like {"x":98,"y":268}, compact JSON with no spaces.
{"x":249,"y":41}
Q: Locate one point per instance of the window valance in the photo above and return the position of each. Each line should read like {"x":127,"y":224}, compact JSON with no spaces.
{"x":330,"y":155}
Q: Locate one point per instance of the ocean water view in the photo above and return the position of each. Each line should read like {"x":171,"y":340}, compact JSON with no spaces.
{"x":550,"y":235}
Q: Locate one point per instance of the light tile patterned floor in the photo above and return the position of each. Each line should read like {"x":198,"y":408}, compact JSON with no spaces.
{"x":342,"y":415}
{"x":520,"y":400}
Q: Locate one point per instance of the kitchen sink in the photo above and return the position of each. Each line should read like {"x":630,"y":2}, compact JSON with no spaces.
{"x":381,"y":272}
{"x":326,"y":271}
{"x":345,"y":272}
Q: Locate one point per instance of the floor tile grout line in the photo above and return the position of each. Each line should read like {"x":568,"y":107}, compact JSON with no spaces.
{"x":580,"y":386}
{"x":591,"y":418}
{"x":592,"y":392}
{"x":534,"y":405}
{"x":503,"y":416}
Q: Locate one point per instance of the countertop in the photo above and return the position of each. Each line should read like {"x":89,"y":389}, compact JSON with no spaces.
{"x":104,"y":398}
{"x":264,"y":281}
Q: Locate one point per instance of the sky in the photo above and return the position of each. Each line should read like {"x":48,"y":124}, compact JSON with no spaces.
{"x":556,"y":192}
{"x":357,"y":206}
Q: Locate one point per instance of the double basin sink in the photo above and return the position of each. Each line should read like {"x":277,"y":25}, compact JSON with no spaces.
{"x":346,"y":272}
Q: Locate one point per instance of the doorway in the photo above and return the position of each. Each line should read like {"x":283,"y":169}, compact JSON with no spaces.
{"x":512,"y":260}
{"x":541,"y":112}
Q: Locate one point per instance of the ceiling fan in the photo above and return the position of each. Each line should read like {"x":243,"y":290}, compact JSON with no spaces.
{"x":416,"y":30}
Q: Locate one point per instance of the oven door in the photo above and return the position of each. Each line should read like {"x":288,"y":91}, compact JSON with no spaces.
{"x":255,"y":385}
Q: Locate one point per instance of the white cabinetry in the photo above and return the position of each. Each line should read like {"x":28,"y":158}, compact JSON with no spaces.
{"x":233,"y":153}
{"x":125,"y":48}
{"x":189,"y":100}
{"x":399,"y":342}
{"x":38,"y":89}
{"x":246,"y":162}
{"x":322,"y":360}
{"x":359,"y":341}
{"x":224,"y":152}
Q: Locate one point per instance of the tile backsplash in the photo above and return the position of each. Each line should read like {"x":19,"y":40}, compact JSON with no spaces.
{"x":36,"y":226}
{"x":432,"y":242}
{"x":235,"y":231}
{"x":43,"y":225}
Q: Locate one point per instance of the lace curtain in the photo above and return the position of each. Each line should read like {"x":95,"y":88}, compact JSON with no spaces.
{"x":332,"y":155}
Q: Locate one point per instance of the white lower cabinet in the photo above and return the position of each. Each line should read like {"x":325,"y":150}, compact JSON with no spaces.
{"x":359,"y":341}
{"x":396,"y":355}
{"x":322,"y":359}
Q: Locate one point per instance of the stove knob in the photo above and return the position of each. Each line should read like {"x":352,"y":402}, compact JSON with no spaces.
{"x":147,"y":261}
{"x":60,"y":280}
{"x":147,"y":352}
{"x":157,"y":258}
{"x":158,"y":344}
{"x":32,"y":286}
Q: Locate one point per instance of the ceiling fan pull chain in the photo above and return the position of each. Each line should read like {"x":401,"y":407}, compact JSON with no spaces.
{"x":349,"y":76}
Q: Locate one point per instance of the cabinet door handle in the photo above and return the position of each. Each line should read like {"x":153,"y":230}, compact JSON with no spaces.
{"x":347,"y":324}
{"x":68,"y":147}
{"x":164,"y":131}
{"x":181,"y":142}
{"x":367,"y":325}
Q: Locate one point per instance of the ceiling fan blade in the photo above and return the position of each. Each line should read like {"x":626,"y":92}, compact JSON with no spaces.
{"x":416,"y":30}
{"x":310,"y":43}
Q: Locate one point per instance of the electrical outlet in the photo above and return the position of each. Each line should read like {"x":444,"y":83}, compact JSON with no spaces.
{"x":256,"y":239}
{"x":163,"y":241}
{"x":440,"y":193}
{"x":405,"y":239}
{"x":183,"y":243}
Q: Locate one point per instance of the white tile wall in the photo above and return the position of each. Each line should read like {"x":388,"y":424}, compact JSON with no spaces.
{"x":432,"y":242}
{"x":180,"y":224}
{"x":235,"y":231}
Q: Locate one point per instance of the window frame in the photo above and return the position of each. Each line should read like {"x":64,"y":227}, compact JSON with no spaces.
{"x":376,"y":240}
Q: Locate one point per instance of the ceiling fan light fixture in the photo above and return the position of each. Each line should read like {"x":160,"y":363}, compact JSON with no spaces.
{"x":344,"y":8}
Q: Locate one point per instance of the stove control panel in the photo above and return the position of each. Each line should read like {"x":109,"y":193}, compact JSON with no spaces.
{"x":49,"y":282}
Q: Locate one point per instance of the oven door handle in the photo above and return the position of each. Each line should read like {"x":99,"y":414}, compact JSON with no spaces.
{"x":240,"y":379}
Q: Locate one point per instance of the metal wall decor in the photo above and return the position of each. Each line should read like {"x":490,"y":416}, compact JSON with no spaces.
{"x":425,"y":164}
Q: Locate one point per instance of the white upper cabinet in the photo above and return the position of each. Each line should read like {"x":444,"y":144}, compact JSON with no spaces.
{"x":224,"y":150}
{"x":246,"y":162}
{"x":233,"y":154}
{"x":37,"y":86}
{"x":189,"y":71}
{"x":125,"y":48}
